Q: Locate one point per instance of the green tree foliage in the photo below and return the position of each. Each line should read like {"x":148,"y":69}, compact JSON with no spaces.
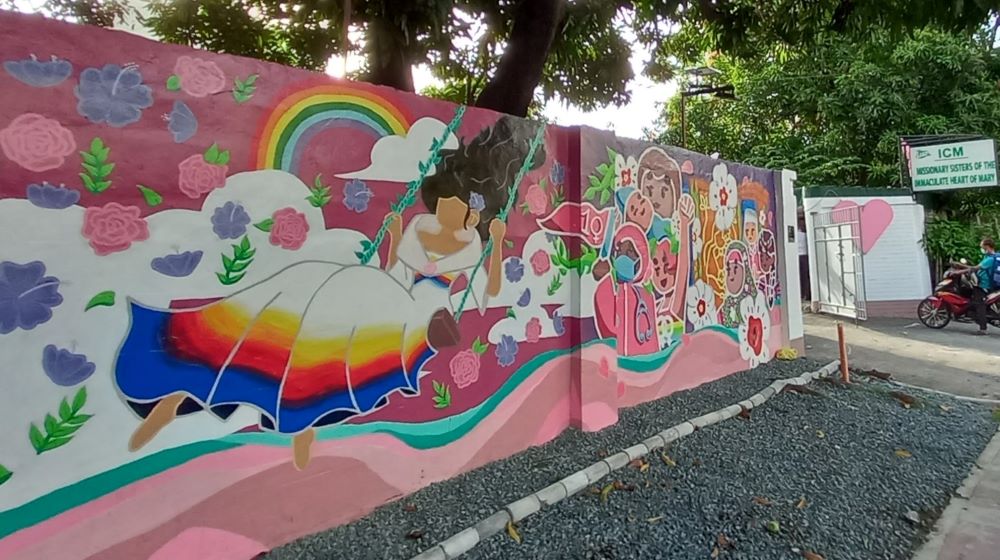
{"x":834,"y":110}
{"x":575,"y":49}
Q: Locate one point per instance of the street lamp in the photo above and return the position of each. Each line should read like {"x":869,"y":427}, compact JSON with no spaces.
{"x":698,"y":88}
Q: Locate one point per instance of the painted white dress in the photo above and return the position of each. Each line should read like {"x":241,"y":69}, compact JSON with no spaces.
{"x":315,"y":344}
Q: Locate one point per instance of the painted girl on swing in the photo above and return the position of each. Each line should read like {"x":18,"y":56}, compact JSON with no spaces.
{"x":321,"y":342}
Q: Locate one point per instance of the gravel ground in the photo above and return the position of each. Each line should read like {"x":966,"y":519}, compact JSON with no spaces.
{"x":836,"y":449}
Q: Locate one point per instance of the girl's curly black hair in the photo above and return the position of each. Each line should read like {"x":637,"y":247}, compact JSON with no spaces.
{"x":486,"y":165}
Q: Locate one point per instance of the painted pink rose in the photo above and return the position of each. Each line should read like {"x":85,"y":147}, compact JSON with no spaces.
{"x":540,"y":262}
{"x":112,"y":228}
{"x":533,"y":330}
{"x":465,"y":368}
{"x":198,"y":177}
{"x":199,"y":77}
{"x":289,"y":229}
{"x":37,"y":143}
{"x":537,"y":200}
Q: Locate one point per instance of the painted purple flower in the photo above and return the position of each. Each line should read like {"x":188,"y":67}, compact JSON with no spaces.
{"x":36,"y":73}
{"x":230,"y":221}
{"x":181,"y":122}
{"x":27,"y":295}
{"x":514,"y":269}
{"x":477,"y":202}
{"x":558,"y":174}
{"x":557,"y":324}
{"x":65,"y":368}
{"x":51,"y":196}
{"x":506,"y":351}
{"x":525,"y":298}
{"x":112,"y":94}
{"x":356,"y":195}
{"x":177,"y":266}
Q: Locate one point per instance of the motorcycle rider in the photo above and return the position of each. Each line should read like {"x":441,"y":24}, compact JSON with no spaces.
{"x":984,"y":273}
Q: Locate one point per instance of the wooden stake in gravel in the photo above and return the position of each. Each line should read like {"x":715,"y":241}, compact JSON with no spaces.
{"x":845,"y":373}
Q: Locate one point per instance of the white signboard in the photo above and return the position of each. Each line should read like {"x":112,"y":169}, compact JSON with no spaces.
{"x":961,"y":165}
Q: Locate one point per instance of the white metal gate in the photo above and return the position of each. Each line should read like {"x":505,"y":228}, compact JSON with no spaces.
{"x":840,"y":278}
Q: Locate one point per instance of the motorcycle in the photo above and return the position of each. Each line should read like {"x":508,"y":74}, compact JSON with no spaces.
{"x":952,"y":301}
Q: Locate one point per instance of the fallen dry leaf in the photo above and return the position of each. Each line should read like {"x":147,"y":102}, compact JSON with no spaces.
{"x":603,"y":453}
{"x":802,"y":503}
{"x":744,"y":413}
{"x":644,"y":467}
{"x":635,"y":463}
{"x":906,"y":400}
{"x":606,"y":491}
{"x":512,"y":531}
{"x":945,"y":408}
{"x":595,"y":490}
{"x":415,"y":534}
{"x":812,"y":556}
{"x":619,"y":485}
{"x":655,"y":519}
{"x":410,"y":508}
{"x":715,"y":552}
{"x":820,"y":434}
{"x":903,"y":454}
{"x":668,"y":461}
{"x":774,"y":527}
{"x":723,"y":541}
{"x":761,"y":501}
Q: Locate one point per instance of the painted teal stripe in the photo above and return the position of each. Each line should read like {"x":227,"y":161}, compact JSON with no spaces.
{"x":419,"y":435}
{"x":89,"y":489}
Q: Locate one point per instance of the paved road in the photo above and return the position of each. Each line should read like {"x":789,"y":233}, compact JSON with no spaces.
{"x":949,"y":360}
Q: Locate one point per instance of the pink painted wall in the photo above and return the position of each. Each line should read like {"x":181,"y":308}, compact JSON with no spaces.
{"x":196,"y":331}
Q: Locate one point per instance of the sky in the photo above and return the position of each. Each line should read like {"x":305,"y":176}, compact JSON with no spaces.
{"x":627,"y":121}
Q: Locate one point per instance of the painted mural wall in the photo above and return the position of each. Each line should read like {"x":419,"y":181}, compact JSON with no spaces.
{"x":241,"y":303}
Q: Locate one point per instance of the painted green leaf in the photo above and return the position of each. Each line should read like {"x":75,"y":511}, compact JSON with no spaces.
{"x":88,"y":183}
{"x":103,"y":299}
{"x":5,"y":474}
{"x":212,"y":154}
{"x":479,"y":347}
{"x":106,"y":169}
{"x":102,"y":186}
{"x":318,"y":181}
{"x":605,"y":195}
{"x":510,"y":313}
{"x":36,"y":438}
{"x":64,"y":411}
{"x":50,"y":423}
{"x":508,"y":243}
{"x":173,"y":83}
{"x":151,"y":197}
{"x":97,"y":145}
{"x":264,"y":225}
{"x":79,"y":400}
{"x":91,"y":169}
{"x":223,"y":158}
{"x":245,"y":243}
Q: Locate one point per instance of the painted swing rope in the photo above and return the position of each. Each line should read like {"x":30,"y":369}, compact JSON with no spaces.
{"x":502,"y":216}
{"x":369,"y":248}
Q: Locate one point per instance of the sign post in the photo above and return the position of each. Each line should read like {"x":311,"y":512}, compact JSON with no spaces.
{"x":957,"y":165}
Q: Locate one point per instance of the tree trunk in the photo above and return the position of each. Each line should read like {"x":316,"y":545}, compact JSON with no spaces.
{"x":512,"y":88}
{"x":390,"y":63}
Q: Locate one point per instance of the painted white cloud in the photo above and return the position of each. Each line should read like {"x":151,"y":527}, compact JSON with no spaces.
{"x":395,"y":158}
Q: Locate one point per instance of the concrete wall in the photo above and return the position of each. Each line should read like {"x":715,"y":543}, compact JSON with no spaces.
{"x":241,"y":303}
{"x":895,"y":264}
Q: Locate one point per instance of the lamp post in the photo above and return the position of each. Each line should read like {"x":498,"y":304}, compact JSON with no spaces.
{"x":698,"y":88}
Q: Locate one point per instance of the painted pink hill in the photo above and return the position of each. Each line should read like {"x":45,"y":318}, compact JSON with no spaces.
{"x":253,"y":496}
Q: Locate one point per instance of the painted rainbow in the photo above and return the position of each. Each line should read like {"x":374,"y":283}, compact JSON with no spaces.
{"x":303,"y":112}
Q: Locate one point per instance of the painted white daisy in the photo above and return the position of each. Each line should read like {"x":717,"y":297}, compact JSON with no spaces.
{"x":723,"y":197}
{"x":755,"y":330}
{"x":701,"y":310}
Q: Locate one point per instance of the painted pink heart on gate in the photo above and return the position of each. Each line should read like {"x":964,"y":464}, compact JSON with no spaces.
{"x":876,"y":216}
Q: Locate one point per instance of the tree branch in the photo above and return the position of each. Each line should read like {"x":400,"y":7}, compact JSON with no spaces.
{"x":512,"y":87}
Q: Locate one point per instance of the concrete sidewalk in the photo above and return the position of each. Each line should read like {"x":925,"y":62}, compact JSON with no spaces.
{"x":950,"y":360}
{"x":969,"y":529}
